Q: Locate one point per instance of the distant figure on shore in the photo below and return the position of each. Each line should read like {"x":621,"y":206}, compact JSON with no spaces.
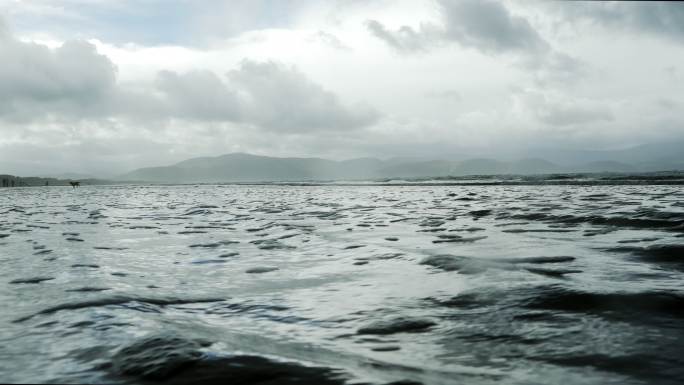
{"x":75,"y":184}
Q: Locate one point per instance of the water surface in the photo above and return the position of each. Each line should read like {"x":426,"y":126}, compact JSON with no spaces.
{"x":343,"y":284}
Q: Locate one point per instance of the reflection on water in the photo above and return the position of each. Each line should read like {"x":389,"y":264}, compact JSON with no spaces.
{"x":343,"y":284}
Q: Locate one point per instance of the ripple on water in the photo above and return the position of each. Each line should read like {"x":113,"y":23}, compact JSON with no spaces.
{"x":31,"y":280}
{"x":426,"y":297}
{"x":666,"y":256}
{"x":178,"y":360}
{"x":261,"y":270}
{"x":397,"y":325}
{"x":117,"y":300}
{"x":620,"y":304}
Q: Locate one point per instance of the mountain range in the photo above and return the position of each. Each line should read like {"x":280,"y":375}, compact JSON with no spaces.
{"x":241,"y":167}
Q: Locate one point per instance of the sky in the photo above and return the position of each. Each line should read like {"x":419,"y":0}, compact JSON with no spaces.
{"x":106,"y":86}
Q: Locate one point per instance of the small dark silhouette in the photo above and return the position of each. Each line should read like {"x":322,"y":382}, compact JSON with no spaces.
{"x":75,"y":184}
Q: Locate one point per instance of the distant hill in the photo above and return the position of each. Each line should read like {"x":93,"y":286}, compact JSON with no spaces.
{"x":420,"y":169}
{"x":240,"y":167}
{"x":532,"y":166}
{"x":605,"y":166}
{"x":642,"y":158}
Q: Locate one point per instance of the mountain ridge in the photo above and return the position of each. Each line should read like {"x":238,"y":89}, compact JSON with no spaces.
{"x":244,"y":167}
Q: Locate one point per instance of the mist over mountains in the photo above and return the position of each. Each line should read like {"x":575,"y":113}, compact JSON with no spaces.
{"x":240,"y":167}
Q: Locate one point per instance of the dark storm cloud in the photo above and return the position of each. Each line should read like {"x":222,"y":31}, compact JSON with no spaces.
{"x":67,"y":79}
{"x":661,"y":18}
{"x":489,"y":26}
{"x":484,"y":25}
{"x":74,"y":81}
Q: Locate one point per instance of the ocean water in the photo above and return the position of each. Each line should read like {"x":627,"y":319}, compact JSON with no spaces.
{"x":335,"y":284}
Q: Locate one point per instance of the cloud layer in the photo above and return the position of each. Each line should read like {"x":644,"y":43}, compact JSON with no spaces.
{"x":74,"y":80}
{"x":104,"y":86}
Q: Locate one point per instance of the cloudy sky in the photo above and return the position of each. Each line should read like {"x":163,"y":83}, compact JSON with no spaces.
{"x":104,"y":86}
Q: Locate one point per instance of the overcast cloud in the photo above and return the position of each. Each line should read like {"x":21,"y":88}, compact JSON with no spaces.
{"x":107,"y":86}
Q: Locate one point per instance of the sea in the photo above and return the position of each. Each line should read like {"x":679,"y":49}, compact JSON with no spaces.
{"x":479,"y":281}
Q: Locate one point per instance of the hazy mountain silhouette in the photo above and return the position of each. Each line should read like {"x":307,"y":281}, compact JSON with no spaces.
{"x":250,"y":168}
{"x":647,"y":157}
{"x":605,"y":166}
{"x":417,"y":169}
{"x":240,"y":167}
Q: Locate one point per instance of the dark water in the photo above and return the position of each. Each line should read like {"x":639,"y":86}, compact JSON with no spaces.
{"x":343,"y":284}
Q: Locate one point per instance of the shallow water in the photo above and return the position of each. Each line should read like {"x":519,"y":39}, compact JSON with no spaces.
{"x":343,"y":284}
